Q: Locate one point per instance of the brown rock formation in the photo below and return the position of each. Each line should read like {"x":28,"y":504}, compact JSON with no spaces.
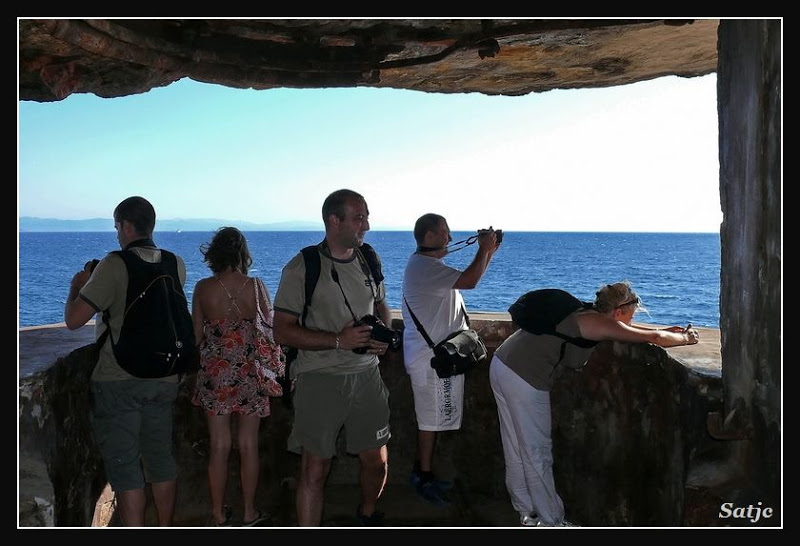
{"x":118,"y":57}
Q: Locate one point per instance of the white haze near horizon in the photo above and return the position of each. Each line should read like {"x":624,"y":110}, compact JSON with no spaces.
{"x":636,"y":158}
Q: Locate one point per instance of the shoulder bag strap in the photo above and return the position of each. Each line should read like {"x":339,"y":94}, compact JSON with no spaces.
{"x":466,"y":315}
{"x":258,"y":300}
{"x":420,"y":328}
{"x":260,"y":288}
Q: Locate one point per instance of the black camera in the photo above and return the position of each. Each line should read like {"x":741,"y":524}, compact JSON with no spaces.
{"x":497,"y":232}
{"x":379,"y":333}
{"x":90,"y":265}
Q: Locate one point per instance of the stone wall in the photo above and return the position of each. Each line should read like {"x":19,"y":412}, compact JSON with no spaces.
{"x":627,"y":430}
{"x":750,"y":116}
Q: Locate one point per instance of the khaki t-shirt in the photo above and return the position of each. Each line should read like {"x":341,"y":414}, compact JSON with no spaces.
{"x":535,"y":357}
{"x":107,"y":289}
{"x":328,"y":311}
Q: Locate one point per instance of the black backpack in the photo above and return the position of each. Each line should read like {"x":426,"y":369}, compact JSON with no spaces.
{"x":157,"y":336}
{"x":313,"y":266}
{"x":540,"y":311}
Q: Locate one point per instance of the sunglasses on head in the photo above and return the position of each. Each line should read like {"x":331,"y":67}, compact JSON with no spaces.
{"x":635,"y":301}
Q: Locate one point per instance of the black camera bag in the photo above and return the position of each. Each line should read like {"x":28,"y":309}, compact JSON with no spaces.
{"x":457,"y":353}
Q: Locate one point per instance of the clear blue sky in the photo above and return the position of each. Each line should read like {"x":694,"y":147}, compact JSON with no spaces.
{"x":640,"y":157}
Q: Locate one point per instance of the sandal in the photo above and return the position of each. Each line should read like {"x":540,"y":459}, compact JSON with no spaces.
{"x":261,"y":516}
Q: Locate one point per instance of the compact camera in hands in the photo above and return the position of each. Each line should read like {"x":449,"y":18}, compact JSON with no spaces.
{"x":379,"y":333}
{"x":90,"y":265}
{"x":497,"y":232}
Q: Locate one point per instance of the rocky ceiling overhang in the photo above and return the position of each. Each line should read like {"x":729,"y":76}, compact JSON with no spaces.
{"x":118,"y":57}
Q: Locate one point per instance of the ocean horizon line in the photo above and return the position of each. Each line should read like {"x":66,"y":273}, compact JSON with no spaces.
{"x":34,"y":224}
{"x":381,"y":230}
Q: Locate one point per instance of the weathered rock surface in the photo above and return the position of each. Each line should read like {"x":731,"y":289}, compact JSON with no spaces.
{"x":117,"y":57}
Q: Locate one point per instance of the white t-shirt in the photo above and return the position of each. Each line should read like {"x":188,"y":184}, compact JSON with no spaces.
{"x":428,"y":289}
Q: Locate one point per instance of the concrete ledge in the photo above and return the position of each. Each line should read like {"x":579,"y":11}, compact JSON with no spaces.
{"x":41,"y":346}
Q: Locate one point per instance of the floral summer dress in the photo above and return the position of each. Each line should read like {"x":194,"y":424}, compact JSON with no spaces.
{"x":231,"y":375}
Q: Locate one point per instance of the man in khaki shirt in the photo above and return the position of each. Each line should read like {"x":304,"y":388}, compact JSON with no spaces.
{"x":131,"y":417}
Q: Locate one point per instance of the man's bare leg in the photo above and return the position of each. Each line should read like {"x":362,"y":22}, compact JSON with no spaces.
{"x":374,"y":471}
{"x":164,"y":498}
{"x":426,"y":439}
{"x":310,"y":488}
{"x":131,"y":505}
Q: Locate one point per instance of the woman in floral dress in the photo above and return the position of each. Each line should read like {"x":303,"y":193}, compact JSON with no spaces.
{"x":233,"y":376}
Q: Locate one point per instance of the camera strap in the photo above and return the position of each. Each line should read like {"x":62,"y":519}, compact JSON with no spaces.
{"x":430,"y":249}
{"x":463,"y":244}
{"x":335,"y":277}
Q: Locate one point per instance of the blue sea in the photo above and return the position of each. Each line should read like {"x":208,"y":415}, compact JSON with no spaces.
{"x":677,"y":275}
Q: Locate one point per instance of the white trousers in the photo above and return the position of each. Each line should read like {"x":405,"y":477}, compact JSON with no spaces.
{"x":525,"y":422}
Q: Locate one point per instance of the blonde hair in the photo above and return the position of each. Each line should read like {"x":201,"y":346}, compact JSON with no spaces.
{"x":614,"y":295}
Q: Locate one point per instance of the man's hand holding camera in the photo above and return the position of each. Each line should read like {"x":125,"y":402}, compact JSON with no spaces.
{"x":376,"y":347}
{"x":368,"y":335}
{"x":490,"y":239}
{"x":78,"y":280}
{"x":357,"y":337}
{"x":81,"y":277}
{"x":354,"y":336}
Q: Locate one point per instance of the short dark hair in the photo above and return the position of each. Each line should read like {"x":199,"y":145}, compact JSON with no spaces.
{"x":228,"y":248}
{"x":425,"y":223}
{"x":139,"y":212}
{"x":335,"y":203}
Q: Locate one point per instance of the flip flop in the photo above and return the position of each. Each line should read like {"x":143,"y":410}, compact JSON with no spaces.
{"x":258,"y":519}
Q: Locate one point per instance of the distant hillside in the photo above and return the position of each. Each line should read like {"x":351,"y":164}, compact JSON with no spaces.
{"x":30,"y":223}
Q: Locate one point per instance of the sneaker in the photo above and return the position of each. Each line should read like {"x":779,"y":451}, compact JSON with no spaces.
{"x":564,"y":523}
{"x":416,"y":479}
{"x":374,"y":520}
{"x":433,"y":494}
{"x":527,"y":520}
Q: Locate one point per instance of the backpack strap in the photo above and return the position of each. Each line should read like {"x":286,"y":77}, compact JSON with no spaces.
{"x":313,"y":266}
{"x":374,"y":263}
{"x":107,"y":321}
{"x":578,"y":341}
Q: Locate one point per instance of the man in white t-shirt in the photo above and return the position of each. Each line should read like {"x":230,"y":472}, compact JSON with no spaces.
{"x":431,"y":289}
